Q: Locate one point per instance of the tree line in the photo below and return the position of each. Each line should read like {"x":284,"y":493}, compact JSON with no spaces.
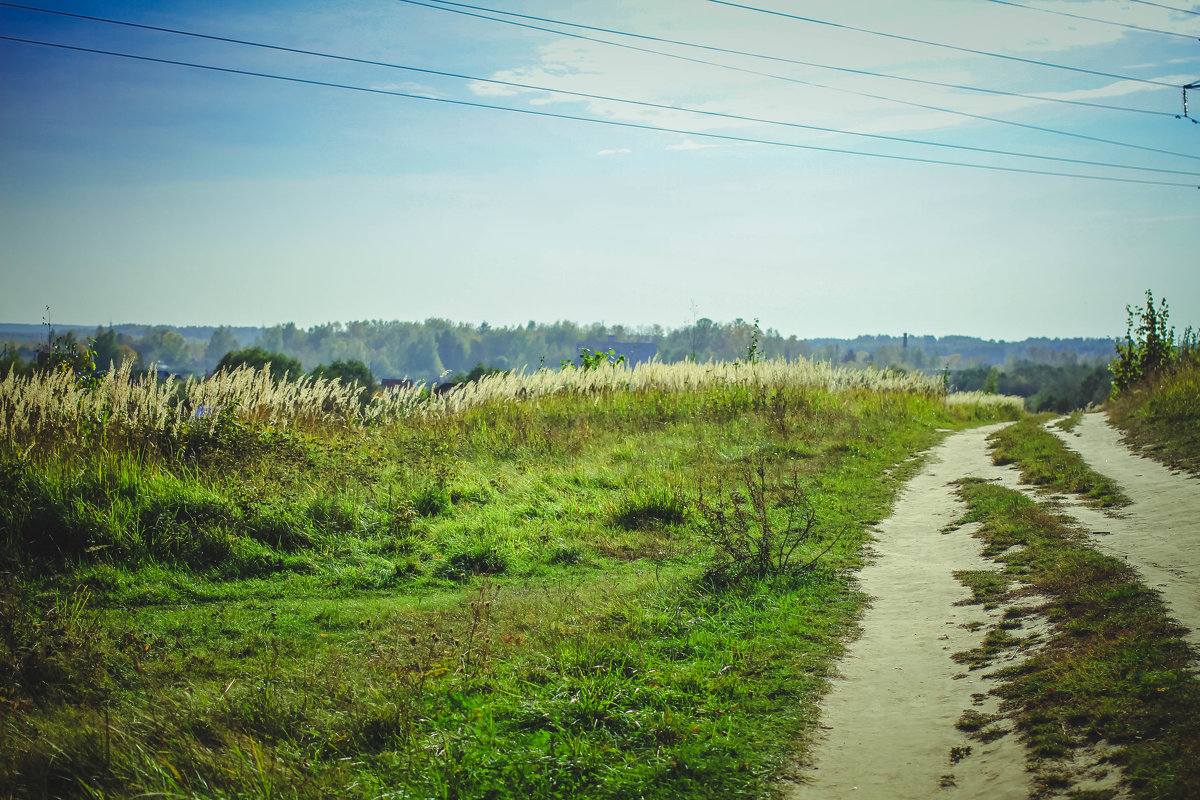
{"x":435,"y":347}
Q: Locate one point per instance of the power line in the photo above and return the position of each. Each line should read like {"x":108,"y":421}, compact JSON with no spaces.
{"x":943,"y":45}
{"x":711,"y":48}
{"x":1169,"y":8}
{"x":1092,"y":19}
{"x":611,"y":123}
{"x":606,"y":98}
{"x":780,"y":59}
{"x":774,"y":76}
{"x":654,"y":105}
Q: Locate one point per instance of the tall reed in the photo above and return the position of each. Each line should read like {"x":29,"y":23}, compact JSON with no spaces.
{"x":123,"y":408}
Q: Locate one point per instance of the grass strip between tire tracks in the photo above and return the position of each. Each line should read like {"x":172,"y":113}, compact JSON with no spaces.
{"x":1045,"y":461}
{"x":1115,"y":668}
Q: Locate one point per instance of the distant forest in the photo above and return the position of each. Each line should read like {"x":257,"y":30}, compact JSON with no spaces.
{"x":434,"y":348}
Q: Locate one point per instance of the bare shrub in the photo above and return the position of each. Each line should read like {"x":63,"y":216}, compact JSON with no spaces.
{"x":756,"y":538}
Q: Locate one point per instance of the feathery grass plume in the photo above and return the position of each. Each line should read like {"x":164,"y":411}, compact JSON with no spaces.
{"x":118,"y":409}
{"x":56,"y":406}
{"x":679,"y":377}
{"x":122,"y":409}
{"x":257,"y":398}
{"x":997,"y":401}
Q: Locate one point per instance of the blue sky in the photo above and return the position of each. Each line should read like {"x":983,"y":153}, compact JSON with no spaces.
{"x":141,"y":192}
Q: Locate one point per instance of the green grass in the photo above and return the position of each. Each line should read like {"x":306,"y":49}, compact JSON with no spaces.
{"x":1045,"y":461}
{"x":503,"y":602}
{"x":1070,"y":422}
{"x":1114,"y":668}
{"x":1162,"y":416}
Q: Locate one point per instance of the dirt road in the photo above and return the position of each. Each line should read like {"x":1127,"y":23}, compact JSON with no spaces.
{"x":890,"y":719}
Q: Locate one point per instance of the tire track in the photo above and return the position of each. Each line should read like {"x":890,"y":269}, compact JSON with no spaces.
{"x":1159,"y":533}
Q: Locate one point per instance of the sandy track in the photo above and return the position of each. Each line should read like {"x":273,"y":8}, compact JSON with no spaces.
{"x":1159,"y":533}
{"x":889,"y":720}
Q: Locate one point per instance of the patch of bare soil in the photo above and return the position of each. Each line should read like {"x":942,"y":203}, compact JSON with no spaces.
{"x":1159,"y":533}
{"x":889,"y":722}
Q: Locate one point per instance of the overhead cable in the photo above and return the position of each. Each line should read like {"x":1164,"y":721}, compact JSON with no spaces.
{"x":1092,"y":19}
{"x":607,"y":122}
{"x":639,"y":103}
{"x":943,"y":45}
{"x":1169,"y":8}
{"x":624,"y":46}
{"x":781,"y":59}
{"x":788,"y":79}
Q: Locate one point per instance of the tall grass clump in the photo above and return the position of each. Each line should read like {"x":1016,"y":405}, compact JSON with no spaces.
{"x":124,"y":410}
{"x":683,"y":377}
{"x":1007,"y":405}
{"x":121,"y":409}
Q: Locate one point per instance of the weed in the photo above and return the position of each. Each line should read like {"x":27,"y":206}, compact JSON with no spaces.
{"x":752,"y":349}
{"x":432,"y":501}
{"x":566,"y":555}
{"x":751,"y":542}
{"x":958,"y":753}
{"x":1069,"y":422}
{"x":1150,"y":352}
{"x":51,"y":648}
{"x":985,"y":585}
{"x":973,"y":721}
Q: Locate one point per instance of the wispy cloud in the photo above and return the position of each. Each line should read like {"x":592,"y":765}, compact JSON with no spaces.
{"x":1117,"y":89}
{"x":409,"y":88}
{"x":483,"y":89}
{"x":689,"y":144}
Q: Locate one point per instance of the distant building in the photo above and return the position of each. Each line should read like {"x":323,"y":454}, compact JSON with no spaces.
{"x":634,"y":352}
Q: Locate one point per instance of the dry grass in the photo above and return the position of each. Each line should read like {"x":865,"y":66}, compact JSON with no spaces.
{"x":57,"y":406}
{"x":684,"y":377}
{"x":997,"y":401}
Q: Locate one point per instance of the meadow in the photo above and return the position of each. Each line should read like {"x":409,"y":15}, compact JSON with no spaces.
{"x":606,"y":582}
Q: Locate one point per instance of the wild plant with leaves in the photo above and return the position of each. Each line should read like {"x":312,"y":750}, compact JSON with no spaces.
{"x":1148,"y":348}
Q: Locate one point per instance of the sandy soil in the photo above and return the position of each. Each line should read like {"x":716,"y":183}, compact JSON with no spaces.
{"x":1159,"y":534}
{"x":889,"y":721}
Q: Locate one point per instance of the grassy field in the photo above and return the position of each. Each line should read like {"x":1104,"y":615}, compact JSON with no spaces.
{"x":590,"y":584}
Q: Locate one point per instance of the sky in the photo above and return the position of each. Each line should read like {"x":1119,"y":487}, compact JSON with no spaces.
{"x":808,"y":195}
